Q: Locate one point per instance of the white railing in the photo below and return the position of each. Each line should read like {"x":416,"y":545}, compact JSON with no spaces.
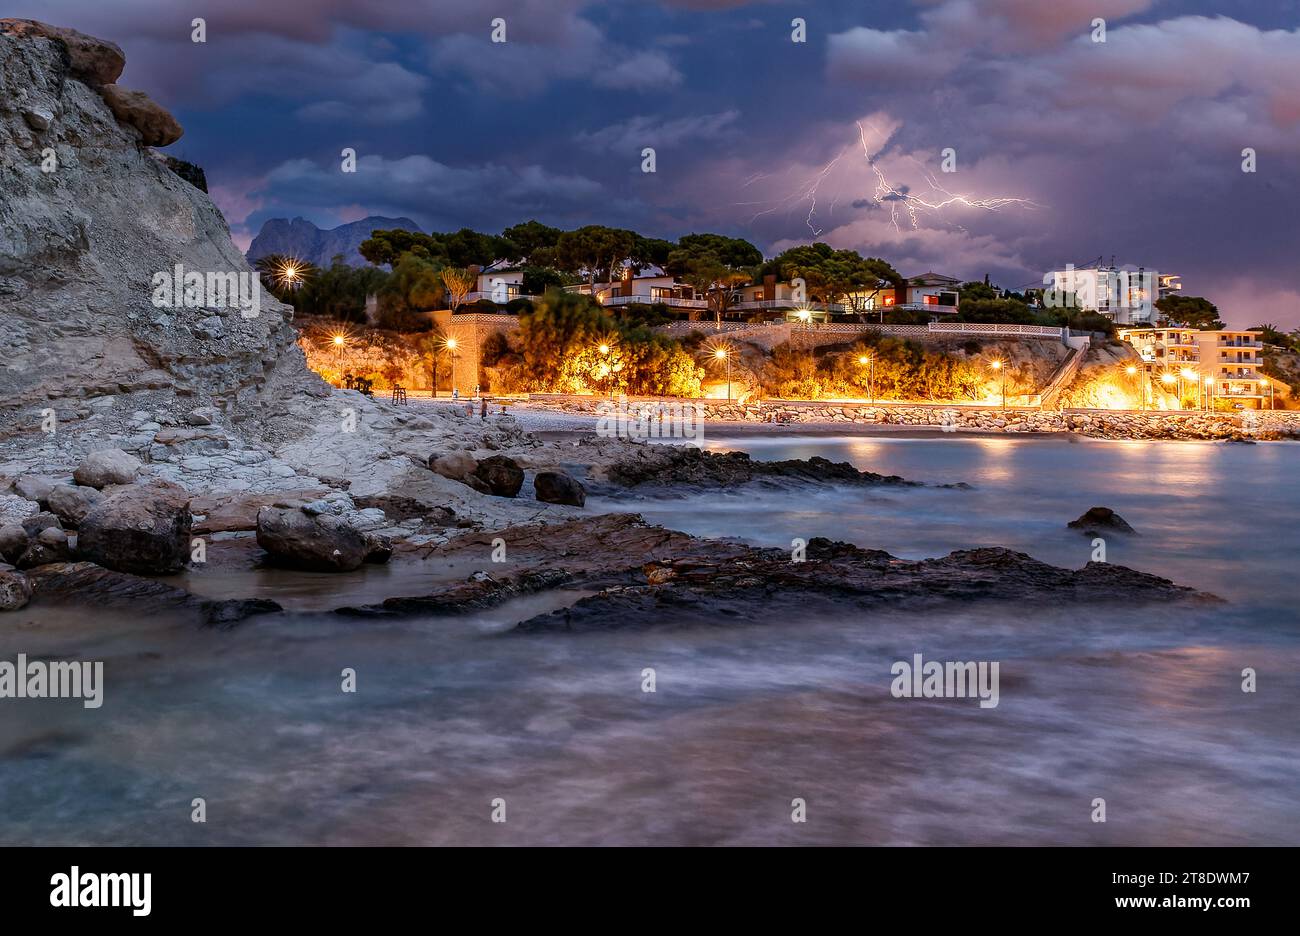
{"x":651,"y":300}
{"x":491,"y":297}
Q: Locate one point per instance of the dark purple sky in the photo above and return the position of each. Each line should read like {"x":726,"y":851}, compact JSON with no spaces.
{"x":1131,"y":147}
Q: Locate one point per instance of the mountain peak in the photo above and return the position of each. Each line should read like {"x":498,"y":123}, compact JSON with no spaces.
{"x":303,"y":239}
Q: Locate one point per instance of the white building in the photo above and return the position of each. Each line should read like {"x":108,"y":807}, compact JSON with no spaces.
{"x":1125,"y":296}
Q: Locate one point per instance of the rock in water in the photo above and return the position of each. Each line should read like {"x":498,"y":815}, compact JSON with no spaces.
{"x":1098,"y":519}
{"x":15,"y":589}
{"x":71,"y":504}
{"x":502,"y":476}
{"x":318,"y":543}
{"x":105,"y":467}
{"x":556,"y":487}
{"x":138,"y":529}
{"x":95,"y":62}
{"x":136,"y":109}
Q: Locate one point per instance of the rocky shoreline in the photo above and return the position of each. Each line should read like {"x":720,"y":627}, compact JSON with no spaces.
{"x":139,"y":439}
{"x":1247,"y":425}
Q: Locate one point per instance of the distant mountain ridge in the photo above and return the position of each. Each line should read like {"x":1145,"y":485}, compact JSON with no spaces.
{"x":301,"y":239}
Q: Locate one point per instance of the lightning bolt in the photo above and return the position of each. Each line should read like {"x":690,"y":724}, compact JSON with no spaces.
{"x":914,"y":205}
{"x":904,"y":204}
{"x":806,"y":191}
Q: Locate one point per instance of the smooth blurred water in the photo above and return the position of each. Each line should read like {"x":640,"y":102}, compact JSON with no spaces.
{"x":1140,"y":706}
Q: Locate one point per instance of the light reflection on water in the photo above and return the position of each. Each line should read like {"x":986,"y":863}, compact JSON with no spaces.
{"x":1140,"y":706}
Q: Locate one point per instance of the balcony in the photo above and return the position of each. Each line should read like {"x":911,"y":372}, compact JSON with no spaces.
{"x":672,"y":301}
{"x":511,"y":295}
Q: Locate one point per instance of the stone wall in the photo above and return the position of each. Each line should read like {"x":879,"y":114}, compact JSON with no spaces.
{"x":1107,"y":424}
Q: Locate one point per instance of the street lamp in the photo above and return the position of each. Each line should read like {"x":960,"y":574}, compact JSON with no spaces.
{"x":1188,"y":374}
{"x":448,"y":346}
{"x":1131,"y":370}
{"x":1268,"y":383}
{"x":608,"y":371}
{"x":724,"y":354}
{"x":1169,"y":380}
{"x":338,"y":340}
{"x":1209,"y":394}
{"x":870,"y":359}
{"x":997,"y":366}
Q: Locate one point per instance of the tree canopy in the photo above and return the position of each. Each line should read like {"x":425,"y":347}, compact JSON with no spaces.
{"x":1190,"y":311}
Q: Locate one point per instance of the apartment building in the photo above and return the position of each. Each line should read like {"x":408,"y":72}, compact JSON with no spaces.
{"x":1226,"y":362}
{"x":1127,"y":297}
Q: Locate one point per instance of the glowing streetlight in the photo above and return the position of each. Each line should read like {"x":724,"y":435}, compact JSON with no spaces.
{"x":997,"y":366}
{"x":1209,"y":394}
{"x":448,"y":347}
{"x":1188,"y":375}
{"x":338,"y":340}
{"x":1268,"y":383}
{"x":724,"y":354}
{"x":604,"y":349}
{"x":870,"y":359}
{"x":1142,"y":399}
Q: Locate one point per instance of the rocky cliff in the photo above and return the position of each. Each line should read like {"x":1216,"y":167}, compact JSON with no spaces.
{"x":90,"y":217}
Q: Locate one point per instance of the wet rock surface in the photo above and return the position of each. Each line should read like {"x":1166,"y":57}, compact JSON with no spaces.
{"x":1096,"y":520}
{"x":680,"y":467}
{"x":87,"y":583}
{"x":139,"y":529}
{"x":316,"y":541}
{"x":703,"y":590}
{"x":646,"y":576}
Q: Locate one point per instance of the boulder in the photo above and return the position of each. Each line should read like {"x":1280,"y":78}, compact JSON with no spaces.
{"x":501,"y":475}
{"x":50,"y":545}
{"x":380,"y":548}
{"x":1100,"y":519}
{"x":13,"y":542}
{"x":35,"y":487}
{"x":94,"y":62}
{"x":40,"y":521}
{"x":317,"y":543}
{"x":71,"y":504}
{"x":107,"y":466}
{"x":556,"y":487}
{"x":203,"y":416}
{"x":454,"y":465}
{"x":15,"y":589}
{"x":136,"y":109}
{"x":144,"y":530}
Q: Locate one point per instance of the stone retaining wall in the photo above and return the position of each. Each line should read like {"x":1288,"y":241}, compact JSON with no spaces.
{"x":1104,"y":424}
